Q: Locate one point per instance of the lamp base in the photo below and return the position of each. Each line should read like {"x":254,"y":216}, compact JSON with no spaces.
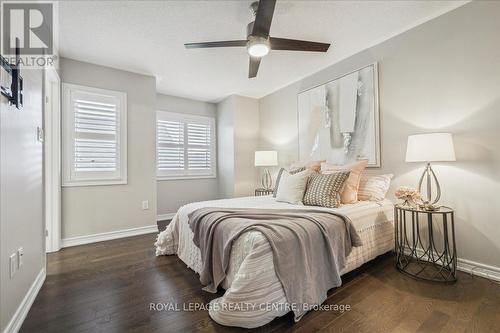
{"x":429,"y":175}
{"x":267,"y":180}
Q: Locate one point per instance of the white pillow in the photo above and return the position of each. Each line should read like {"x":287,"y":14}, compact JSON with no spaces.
{"x":292,"y":187}
{"x":374,"y":188}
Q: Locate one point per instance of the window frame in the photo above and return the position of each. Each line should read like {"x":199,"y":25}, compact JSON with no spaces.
{"x":187,"y":174}
{"x":69,"y":178}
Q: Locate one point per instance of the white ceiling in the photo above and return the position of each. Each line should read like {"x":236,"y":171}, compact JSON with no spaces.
{"x":148,"y":36}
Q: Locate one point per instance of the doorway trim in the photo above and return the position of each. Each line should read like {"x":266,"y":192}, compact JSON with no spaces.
{"x":52,"y":159}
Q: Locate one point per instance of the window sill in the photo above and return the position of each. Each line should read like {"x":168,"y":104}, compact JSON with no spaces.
{"x":95,"y":183}
{"x":165,"y":178}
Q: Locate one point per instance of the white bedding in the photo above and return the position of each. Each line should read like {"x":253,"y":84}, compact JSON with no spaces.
{"x":254,"y":295}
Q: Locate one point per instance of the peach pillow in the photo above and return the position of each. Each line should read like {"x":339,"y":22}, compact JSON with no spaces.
{"x":313,"y":165}
{"x":350,"y":192}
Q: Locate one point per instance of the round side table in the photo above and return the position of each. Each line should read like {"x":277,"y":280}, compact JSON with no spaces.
{"x":425,"y":243}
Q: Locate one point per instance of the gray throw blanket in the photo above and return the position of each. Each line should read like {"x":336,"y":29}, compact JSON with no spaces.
{"x":309,"y":247}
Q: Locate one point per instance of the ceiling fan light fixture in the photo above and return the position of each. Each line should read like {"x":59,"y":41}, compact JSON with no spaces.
{"x":258,"y":46}
{"x":258,"y":41}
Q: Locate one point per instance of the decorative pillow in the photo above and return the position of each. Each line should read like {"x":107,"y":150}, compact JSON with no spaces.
{"x":313,"y":165}
{"x":278,"y":178}
{"x":324,"y":190}
{"x":374,"y":188}
{"x":350,"y":192}
{"x":292,"y":187}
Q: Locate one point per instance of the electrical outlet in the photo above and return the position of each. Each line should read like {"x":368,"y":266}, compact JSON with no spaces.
{"x":20,"y":254}
{"x":12,"y":260}
{"x":145,"y":205}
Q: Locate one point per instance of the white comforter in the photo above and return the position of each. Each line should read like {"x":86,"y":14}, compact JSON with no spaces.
{"x":254,"y":295}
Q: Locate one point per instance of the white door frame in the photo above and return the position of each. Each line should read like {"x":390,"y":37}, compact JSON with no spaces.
{"x":52,"y":159}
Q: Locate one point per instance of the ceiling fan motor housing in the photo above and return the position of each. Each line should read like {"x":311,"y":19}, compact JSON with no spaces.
{"x":253,"y":8}
{"x":250,"y":29}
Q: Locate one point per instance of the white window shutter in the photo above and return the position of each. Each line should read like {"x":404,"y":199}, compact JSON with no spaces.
{"x":199,"y":146}
{"x":185,"y":146}
{"x":170,"y":145}
{"x":95,"y":144}
{"x":94,"y":136}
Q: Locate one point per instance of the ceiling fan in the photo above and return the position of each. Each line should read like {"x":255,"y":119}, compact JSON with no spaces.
{"x":258,"y":42}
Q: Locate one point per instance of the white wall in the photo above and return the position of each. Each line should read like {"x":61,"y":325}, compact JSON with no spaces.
{"x":174,"y":193}
{"x":441,"y":76}
{"x":88,"y":210}
{"x":238,"y":137}
{"x":21,"y":196}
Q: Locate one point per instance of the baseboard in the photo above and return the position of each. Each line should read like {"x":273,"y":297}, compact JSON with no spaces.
{"x":105,"y":236}
{"x":17,"y":319}
{"x":163,"y":217}
{"x":475,"y":268}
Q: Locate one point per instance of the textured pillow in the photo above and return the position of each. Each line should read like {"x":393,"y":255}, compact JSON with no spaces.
{"x":278,"y":178}
{"x":350,"y":192}
{"x":313,"y":165}
{"x":324,"y":190}
{"x":292,"y":187}
{"x":374,"y":188}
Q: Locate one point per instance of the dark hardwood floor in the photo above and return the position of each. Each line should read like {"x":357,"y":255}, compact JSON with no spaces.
{"x":108,"y":287}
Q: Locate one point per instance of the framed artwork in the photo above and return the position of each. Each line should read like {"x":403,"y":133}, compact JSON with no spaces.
{"x":338,"y":121}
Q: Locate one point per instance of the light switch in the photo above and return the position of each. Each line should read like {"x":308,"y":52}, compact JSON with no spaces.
{"x":20,"y":254}
{"x":39,"y":134}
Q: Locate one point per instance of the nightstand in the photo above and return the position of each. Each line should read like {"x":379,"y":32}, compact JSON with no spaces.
{"x":263,"y":191}
{"x":425,"y":243}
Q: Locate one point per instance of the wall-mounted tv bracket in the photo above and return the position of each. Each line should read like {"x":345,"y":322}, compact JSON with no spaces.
{"x":14,"y":93}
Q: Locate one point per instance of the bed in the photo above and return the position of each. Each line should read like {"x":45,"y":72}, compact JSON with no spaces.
{"x":254,"y":295}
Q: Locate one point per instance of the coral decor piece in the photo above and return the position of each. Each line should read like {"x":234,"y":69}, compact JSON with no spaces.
{"x":409,"y":195}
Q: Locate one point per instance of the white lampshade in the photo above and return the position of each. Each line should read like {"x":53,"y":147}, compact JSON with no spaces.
{"x":431,"y":147}
{"x":266,"y":158}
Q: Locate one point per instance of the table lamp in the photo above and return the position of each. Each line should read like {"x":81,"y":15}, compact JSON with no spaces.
{"x":431,"y":147}
{"x":266,"y":158}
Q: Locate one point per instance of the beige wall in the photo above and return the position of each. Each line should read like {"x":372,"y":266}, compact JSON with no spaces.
{"x":238,"y":139}
{"x":225,"y":147}
{"x":88,"y":210}
{"x":174,"y":193}
{"x":441,"y":76}
{"x":246,"y":142}
{"x":21,"y":194}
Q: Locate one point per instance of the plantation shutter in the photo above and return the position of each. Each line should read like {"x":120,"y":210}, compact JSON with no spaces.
{"x":95,"y":143}
{"x":94,"y":137}
{"x":170,"y":145}
{"x":199,"y":146}
{"x":185,"y":146}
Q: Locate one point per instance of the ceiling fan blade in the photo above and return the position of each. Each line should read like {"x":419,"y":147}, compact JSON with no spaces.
{"x":263,"y":18}
{"x":297,"y":45}
{"x":224,"y":43}
{"x":253,"y":68}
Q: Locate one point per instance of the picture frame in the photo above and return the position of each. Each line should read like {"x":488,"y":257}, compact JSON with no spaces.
{"x":339,"y":120}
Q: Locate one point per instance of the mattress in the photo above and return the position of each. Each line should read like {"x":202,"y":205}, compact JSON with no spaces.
{"x":254,"y":295}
